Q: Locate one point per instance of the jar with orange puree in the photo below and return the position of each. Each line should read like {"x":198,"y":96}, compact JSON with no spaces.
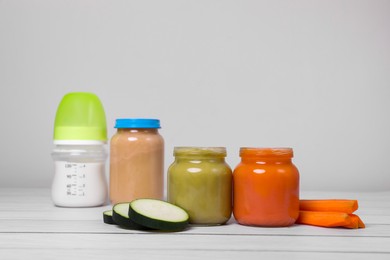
{"x":266,"y":187}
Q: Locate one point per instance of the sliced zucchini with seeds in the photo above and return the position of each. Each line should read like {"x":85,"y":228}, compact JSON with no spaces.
{"x":120,"y":215}
{"x":158,"y":214}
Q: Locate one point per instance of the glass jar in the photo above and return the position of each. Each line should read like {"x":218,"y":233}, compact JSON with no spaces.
{"x":136,"y":160}
{"x":266,"y":187}
{"x":199,"y":181}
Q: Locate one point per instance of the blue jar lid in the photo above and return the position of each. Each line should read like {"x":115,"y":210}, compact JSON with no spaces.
{"x":137,"y":123}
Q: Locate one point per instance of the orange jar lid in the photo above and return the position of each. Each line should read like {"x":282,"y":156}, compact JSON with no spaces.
{"x":266,"y":152}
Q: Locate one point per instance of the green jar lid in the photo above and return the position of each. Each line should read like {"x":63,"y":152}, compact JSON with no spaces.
{"x":80,"y":119}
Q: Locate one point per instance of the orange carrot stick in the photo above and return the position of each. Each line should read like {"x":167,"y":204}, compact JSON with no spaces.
{"x":324,"y":219}
{"x":330,"y":219}
{"x":354,"y":222}
{"x":360,"y":222}
{"x":332,"y":205}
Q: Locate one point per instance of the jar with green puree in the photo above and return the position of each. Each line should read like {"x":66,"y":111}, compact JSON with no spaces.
{"x":200,"y":181}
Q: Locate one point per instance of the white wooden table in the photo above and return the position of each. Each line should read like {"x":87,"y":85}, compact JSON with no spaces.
{"x":32,"y":228}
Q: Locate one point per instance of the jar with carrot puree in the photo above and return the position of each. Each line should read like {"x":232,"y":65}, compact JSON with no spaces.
{"x":136,"y":160}
{"x":266,"y":188}
{"x":200,"y":181}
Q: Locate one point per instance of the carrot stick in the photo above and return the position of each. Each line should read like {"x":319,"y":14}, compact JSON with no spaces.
{"x":330,"y":219}
{"x":324,"y":219}
{"x":354,"y":222}
{"x":331,"y":205}
{"x":360,"y":222}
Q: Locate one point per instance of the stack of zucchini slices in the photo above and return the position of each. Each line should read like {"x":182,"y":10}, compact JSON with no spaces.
{"x":147,"y":214}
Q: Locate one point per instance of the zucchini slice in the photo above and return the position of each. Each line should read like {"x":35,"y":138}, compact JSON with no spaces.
{"x":107,"y":217}
{"x":158,"y":214}
{"x":120,"y":215}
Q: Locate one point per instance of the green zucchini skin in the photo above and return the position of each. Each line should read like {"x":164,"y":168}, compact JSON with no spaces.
{"x":153,"y":223}
{"x":125,"y":221}
{"x":107,"y":217}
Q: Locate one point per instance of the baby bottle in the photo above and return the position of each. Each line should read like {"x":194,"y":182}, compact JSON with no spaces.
{"x":79,"y":155}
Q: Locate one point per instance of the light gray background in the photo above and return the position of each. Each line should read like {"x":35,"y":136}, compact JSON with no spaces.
{"x":313,"y":75}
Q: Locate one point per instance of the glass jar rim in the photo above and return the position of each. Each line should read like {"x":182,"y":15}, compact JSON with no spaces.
{"x":280,"y":152}
{"x":199,"y":151}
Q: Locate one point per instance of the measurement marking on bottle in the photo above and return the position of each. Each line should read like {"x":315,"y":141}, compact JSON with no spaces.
{"x":76,"y":179}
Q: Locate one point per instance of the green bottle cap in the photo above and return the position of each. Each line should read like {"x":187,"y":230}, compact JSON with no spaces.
{"x":80,"y":119}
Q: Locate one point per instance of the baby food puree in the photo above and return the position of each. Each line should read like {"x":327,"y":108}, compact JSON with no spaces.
{"x":136,"y":160}
{"x":266,"y":187}
{"x":199,"y":181}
